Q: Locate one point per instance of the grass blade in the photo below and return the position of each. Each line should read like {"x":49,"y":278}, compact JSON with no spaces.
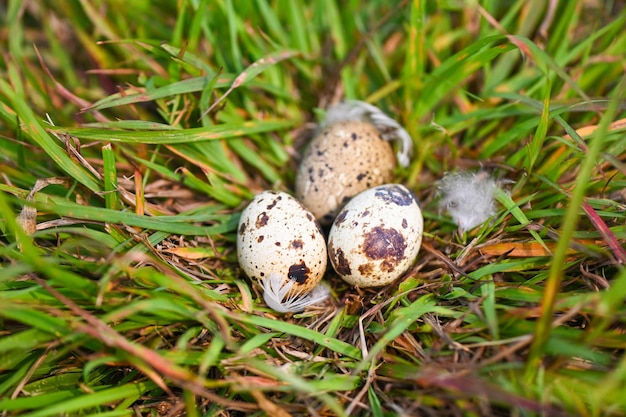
{"x":553,"y":284}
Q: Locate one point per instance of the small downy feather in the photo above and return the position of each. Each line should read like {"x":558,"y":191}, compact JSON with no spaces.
{"x":468,"y":198}
{"x":276,"y":288}
{"x":389,"y":128}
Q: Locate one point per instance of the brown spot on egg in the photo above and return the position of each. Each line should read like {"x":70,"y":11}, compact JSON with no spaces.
{"x":276,"y":200}
{"x":296,"y":244}
{"x":384,"y":244}
{"x":299,"y":272}
{"x":339,"y":260}
{"x":405,"y":224}
{"x":242,"y":228}
{"x":366,"y":269}
{"x":341,"y":218}
{"x":395,"y":194}
{"x":360,"y":177}
{"x":261,"y":220}
{"x":319,"y":229}
{"x":260,"y":239}
{"x":387,"y":266}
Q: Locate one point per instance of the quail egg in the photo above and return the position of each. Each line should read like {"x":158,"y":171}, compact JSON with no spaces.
{"x":376,"y":236}
{"x":344,"y":159}
{"x":277,"y":236}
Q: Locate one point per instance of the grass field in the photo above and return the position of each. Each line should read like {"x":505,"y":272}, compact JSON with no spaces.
{"x":132,"y":135}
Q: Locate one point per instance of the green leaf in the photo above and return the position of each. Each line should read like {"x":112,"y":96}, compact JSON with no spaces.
{"x":32,"y":127}
{"x":331,"y":343}
{"x":61,"y":402}
{"x":170,"y":136}
{"x":401,"y":319}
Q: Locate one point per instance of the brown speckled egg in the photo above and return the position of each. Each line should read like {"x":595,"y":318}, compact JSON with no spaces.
{"x":277,"y":234}
{"x":344,"y":159}
{"x":376,"y":237}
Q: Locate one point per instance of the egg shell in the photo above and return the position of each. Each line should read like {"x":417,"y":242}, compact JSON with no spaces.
{"x":276,"y":234}
{"x":376,"y":237}
{"x":344,"y":159}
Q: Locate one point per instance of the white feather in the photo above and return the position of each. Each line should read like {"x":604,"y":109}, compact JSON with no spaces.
{"x":389,"y":128}
{"x":275,"y":293}
{"x":468,"y":198}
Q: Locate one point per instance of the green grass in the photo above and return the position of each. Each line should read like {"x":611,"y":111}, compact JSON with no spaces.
{"x":131,"y":137}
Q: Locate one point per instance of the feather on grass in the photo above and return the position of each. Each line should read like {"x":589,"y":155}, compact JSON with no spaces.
{"x":468,"y":197}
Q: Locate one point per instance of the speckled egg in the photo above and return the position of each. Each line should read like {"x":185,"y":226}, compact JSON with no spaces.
{"x":277,"y":234}
{"x":376,"y":236}
{"x":344,"y":159}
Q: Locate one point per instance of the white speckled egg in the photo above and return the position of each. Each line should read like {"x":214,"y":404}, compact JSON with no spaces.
{"x":376,"y":236}
{"x":277,"y":235}
{"x":344,"y":159}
